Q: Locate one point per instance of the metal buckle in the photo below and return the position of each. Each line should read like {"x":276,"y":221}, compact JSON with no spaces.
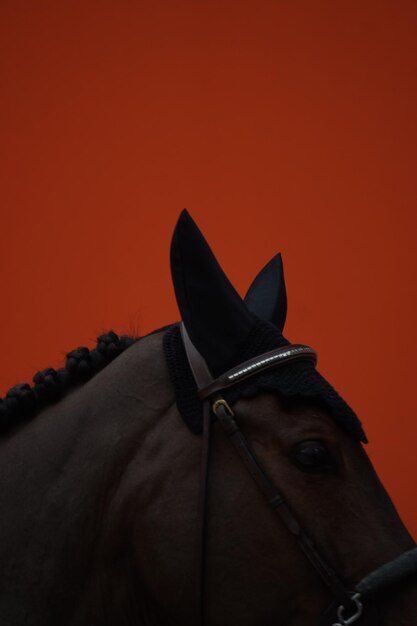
{"x":222,"y":402}
{"x":353,"y":618}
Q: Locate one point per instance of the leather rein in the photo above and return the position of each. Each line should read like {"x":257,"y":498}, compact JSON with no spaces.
{"x":348,"y":606}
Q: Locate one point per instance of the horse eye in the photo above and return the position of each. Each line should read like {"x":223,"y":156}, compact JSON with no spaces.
{"x":313,"y":457}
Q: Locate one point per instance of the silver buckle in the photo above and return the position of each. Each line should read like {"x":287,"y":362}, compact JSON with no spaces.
{"x":353,"y":618}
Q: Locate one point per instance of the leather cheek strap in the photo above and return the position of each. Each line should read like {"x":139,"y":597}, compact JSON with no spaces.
{"x":277,"y":502}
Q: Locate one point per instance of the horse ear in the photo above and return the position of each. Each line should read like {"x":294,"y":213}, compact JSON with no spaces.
{"x":215,"y":316}
{"x":267,"y":296}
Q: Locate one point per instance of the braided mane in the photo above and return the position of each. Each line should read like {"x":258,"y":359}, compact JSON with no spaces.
{"x":22,"y":402}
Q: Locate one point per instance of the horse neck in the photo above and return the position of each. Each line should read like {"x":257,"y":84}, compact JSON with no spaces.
{"x":59,"y":475}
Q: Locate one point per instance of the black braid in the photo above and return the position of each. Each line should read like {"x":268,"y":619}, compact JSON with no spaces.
{"x":23,"y":402}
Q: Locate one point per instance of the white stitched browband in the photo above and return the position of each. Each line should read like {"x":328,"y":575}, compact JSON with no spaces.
{"x":289,"y":352}
{"x":274,"y":358}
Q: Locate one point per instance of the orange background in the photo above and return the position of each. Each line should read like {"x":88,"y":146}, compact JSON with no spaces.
{"x":280,"y":125}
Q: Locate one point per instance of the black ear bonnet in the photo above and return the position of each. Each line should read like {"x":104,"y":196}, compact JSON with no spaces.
{"x":228,"y":331}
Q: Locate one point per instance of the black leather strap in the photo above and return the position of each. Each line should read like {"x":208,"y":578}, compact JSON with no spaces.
{"x":199,"y":367}
{"x":202,"y":517}
{"x":277,"y":502}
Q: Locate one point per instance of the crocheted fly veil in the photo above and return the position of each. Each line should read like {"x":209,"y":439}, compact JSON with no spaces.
{"x":227,"y":331}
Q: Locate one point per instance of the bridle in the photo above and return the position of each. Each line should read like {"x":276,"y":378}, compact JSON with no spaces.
{"x":348,"y":606}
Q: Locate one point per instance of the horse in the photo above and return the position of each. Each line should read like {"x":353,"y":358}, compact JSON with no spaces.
{"x":204,"y":474}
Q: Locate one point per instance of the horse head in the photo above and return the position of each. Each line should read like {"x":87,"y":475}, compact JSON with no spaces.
{"x":208,"y":475}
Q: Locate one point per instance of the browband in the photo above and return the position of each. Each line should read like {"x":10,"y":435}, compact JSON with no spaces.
{"x":274,"y":358}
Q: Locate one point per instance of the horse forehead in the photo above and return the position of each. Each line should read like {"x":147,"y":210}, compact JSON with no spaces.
{"x":268,"y":412}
